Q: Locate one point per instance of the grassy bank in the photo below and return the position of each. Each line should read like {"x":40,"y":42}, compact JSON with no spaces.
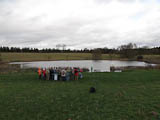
{"x":132,"y":95}
{"x":24,"y":57}
{"x":152,"y":58}
{"x":17,"y":57}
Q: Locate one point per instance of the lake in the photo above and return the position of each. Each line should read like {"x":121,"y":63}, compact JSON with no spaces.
{"x":101,"y":65}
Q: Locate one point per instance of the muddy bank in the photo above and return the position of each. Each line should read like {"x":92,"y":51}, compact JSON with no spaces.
{"x":7,"y":68}
{"x":13,"y":68}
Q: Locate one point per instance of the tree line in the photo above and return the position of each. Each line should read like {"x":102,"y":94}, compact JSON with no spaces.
{"x":127,"y":51}
{"x":52,"y":50}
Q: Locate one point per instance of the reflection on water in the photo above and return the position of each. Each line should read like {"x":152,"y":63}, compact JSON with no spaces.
{"x":101,"y":65}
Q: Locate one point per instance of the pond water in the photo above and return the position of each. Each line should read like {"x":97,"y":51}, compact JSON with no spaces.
{"x":101,"y":65}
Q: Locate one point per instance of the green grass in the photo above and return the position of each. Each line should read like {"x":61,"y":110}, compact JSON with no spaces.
{"x":20,"y":57}
{"x":17,"y":57}
{"x":24,"y":57}
{"x":131,"y":95}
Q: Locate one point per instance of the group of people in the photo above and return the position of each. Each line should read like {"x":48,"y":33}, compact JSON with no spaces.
{"x":60,"y":73}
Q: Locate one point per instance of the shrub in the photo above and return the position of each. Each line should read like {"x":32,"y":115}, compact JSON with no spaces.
{"x":140,"y":57}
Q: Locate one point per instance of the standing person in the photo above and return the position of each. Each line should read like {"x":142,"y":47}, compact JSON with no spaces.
{"x":44,"y":74}
{"x":63,"y":74}
{"x":47,"y":74}
{"x":55,"y":74}
{"x":59,"y":74}
{"x":50,"y":73}
{"x":91,"y":69}
{"x":80,"y":74}
{"x":71,"y":74}
{"x":67,"y":74}
{"x":76,"y":74}
{"x":39,"y":73}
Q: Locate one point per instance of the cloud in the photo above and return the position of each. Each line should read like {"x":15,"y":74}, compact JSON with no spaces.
{"x":79,"y":23}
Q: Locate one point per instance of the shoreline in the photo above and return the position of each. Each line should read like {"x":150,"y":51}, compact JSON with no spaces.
{"x":79,"y":60}
{"x":146,"y":61}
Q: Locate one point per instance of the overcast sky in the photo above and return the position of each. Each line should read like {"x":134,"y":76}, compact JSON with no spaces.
{"x":79,"y":23}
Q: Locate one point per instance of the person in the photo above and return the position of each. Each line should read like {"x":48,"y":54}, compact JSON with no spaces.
{"x":55,"y":74}
{"x":51,"y":73}
{"x":71,"y":74}
{"x":39,"y":73}
{"x":59,"y":74}
{"x":68,"y":74}
{"x":76,"y":74}
{"x":47,"y":74}
{"x":91,"y":69}
{"x":44,"y":74}
{"x":63,"y":74}
{"x":80,"y":74}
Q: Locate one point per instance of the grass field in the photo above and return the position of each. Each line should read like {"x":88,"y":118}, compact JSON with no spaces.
{"x":131,"y":95}
{"x":20,"y":57}
{"x":24,"y":57}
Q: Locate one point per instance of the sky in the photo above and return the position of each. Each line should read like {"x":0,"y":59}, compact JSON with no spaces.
{"x":79,"y":23}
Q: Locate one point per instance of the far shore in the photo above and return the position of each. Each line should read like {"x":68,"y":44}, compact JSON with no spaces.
{"x":33,"y":57}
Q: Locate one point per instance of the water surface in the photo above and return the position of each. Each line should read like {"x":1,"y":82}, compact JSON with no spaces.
{"x":101,"y":65}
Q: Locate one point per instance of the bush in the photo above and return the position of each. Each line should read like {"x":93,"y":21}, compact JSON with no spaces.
{"x":140,"y":57}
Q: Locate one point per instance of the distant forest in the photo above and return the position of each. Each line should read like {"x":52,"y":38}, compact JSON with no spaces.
{"x":123,"y":49}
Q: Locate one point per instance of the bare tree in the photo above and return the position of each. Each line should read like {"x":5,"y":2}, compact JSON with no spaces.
{"x":58,"y":46}
{"x":127,"y":51}
{"x":61,"y":46}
